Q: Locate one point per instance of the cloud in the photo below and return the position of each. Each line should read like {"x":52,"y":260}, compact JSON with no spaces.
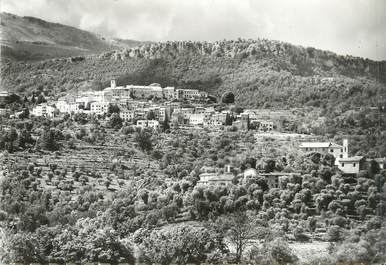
{"x":354,"y":27}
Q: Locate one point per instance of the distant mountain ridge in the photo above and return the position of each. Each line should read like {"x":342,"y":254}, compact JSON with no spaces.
{"x":30,"y":38}
{"x":296,"y":59}
{"x":261,"y":73}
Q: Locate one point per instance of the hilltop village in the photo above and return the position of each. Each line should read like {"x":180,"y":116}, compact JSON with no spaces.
{"x":148,"y":166}
{"x":149,"y":106}
{"x":152,"y":106}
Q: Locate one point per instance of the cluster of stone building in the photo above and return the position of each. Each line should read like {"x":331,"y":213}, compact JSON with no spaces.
{"x":138,"y":104}
{"x":349,"y":166}
{"x":98,"y":101}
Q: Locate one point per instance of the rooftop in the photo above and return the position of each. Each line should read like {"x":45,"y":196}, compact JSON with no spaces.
{"x":351,"y":159}
{"x":319,"y":145}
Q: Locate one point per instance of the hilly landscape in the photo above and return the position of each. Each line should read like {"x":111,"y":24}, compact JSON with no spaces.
{"x":261,"y":73}
{"x":29,"y":38}
{"x":282,"y":161}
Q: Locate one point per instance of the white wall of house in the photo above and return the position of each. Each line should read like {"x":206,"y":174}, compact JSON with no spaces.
{"x":351,"y":167}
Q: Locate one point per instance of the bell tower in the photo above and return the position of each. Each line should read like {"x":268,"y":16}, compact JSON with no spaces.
{"x":113,"y":83}
{"x":345,"y":148}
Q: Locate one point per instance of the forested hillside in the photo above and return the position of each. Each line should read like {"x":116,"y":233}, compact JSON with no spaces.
{"x":30,"y":38}
{"x":259,"y":72}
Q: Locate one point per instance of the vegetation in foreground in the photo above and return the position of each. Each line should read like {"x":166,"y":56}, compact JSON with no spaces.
{"x":145,"y":197}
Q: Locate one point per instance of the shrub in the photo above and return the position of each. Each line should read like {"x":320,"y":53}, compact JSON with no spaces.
{"x":334,"y":233}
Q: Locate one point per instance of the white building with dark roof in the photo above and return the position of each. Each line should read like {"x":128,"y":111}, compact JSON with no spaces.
{"x":99,"y":107}
{"x":126,"y":115}
{"x":338,"y":151}
{"x":43,"y":110}
{"x":351,"y":165}
{"x":154,"y":124}
{"x":225,"y":178}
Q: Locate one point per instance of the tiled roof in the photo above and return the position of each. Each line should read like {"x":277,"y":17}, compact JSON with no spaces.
{"x":351,"y":159}
{"x":319,"y":145}
{"x":222,"y":177}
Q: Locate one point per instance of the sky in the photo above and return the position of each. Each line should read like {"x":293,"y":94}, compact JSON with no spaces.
{"x":347,"y":27}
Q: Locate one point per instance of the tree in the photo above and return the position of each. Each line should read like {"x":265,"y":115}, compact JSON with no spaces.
{"x":25,"y":139}
{"x":300,"y":235}
{"x":274,"y":250}
{"x":334,"y":233}
{"x":240,"y":228}
{"x":40,"y":99}
{"x":8,"y":141}
{"x":228,"y":98}
{"x":151,"y":115}
{"x":269,"y":166}
{"x":281,"y":252}
{"x":20,"y":247}
{"x":48,"y":140}
{"x":143,"y":139}
{"x":181,"y":244}
{"x":228,"y":120}
{"x":24,"y":114}
{"x":113,"y":109}
{"x":115,"y":121}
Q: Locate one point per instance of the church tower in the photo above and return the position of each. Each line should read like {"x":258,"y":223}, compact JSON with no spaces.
{"x":345,"y":148}
{"x":113,"y":84}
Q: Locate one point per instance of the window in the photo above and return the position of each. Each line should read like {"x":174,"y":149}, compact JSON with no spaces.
{"x":342,"y":164}
{"x":341,"y":156}
{"x":341,"y":150}
{"x":331,"y":150}
{"x":354,"y":165}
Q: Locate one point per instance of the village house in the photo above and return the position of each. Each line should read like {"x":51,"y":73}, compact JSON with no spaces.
{"x":197,"y":119}
{"x":189,"y":94}
{"x":62,"y":106}
{"x":3,"y":96}
{"x":225,"y":178}
{"x":127,"y":115}
{"x":75,"y":107}
{"x":215,"y":120}
{"x":154,"y":124}
{"x":148,"y":124}
{"x":163,"y":113}
{"x":199,"y":110}
{"x":249,"y":173}
{"x":338,"y":151}
{"x":351,"y":165}
{"x":253,"y":114}
{"x":5,"y":112}
{"x":210,"y":110}
{"x":99,"y":107}
{"x":265,"y":126}
{"x":69,"y":105}
{"x":116,"y":93}
{"x":177,"y":118}
{"x":242,"y":122}
{"x":153,"y":90}
{"x":43,"y":110}
{"x":185,"y":111}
